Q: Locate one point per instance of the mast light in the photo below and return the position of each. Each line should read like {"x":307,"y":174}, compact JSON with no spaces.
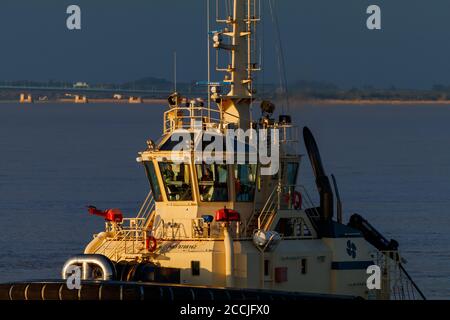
{"x":217,"y":39}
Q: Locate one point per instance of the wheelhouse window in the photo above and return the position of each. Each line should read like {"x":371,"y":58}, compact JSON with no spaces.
{"x":245,"y":182}
{"x":154,"y":184}
{"x":212,"y":182}
{"x":177,"y":181}
{"x":292,"y":171}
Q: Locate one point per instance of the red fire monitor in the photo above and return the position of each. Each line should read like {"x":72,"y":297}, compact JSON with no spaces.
{"x":225,"y":215}
{"x":112,"y":215}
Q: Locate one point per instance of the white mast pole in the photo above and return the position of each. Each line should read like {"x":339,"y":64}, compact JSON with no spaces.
{"x":241,"y":32}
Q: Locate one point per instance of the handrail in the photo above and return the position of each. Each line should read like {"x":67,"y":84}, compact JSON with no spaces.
{"x":309,"y":202}
{"x":184,"y":121}
{"x":134,"y":232}
{"x":146,"y":209}
{"x":397,"y":283}
{"x":273,"y":203}
{"x":411,"y":281}
{"x":269,"y":204}
{"x":121,"y":239}
{"x":288,"y":133}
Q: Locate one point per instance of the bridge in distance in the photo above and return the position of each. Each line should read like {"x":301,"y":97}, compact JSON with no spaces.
{"x":86,"y":90}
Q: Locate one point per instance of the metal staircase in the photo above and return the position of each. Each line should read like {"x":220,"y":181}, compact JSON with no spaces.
{"x":269,"y":210}
{"x":263,"y":218}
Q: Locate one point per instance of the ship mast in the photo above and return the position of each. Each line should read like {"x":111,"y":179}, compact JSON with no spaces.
{"x":241,"y":31}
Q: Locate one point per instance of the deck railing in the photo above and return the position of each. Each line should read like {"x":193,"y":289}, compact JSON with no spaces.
{"x":189,"y":117}
{"x":396,"y":283}
{"x":283,"y":197}
{"x":130,"y":235}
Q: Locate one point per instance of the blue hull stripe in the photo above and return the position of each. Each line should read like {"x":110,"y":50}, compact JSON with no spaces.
{"x":351,"y":265}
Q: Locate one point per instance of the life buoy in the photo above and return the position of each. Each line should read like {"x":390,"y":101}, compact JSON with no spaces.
{"x":297,"y":201}
{"x":150,"y":243}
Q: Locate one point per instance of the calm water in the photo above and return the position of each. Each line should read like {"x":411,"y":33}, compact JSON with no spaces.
{"x":392,"y":164}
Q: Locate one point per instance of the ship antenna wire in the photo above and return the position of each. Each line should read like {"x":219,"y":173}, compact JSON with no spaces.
{"x":209,"y":58}
{"x":280,"y":55}
{"x":175,"y":71}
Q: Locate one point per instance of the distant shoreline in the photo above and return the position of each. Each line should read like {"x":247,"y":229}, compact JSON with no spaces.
{"x":371,"y":102}
{"x":90,"y":101}
{"x":293,"y":101}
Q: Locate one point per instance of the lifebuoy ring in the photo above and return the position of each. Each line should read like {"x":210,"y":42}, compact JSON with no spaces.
{"x":297,"y":201}
{"x":150,"y":243}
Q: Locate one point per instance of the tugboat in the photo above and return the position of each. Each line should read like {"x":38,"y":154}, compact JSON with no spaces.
{"x":216,"y":224}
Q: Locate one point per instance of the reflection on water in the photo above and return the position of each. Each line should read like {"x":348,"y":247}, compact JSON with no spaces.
{"x":392,"y":164}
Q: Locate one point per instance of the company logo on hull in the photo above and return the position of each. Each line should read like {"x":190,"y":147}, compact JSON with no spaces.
{"x":351,"y":249}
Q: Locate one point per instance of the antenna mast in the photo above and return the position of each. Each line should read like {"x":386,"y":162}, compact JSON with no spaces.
{"x":240,"y":30}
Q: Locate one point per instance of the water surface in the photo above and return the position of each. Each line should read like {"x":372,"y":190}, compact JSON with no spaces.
{"x":392,"y":164}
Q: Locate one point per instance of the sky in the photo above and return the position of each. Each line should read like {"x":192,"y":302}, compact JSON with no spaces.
{"x":323,"y":40}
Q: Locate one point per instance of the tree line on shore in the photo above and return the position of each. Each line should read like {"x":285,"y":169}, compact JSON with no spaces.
{"x":301,"y":90}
